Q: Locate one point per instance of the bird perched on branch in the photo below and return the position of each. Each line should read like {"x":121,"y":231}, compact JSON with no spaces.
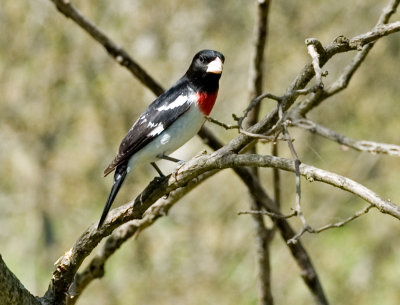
{"x":169,"y":122}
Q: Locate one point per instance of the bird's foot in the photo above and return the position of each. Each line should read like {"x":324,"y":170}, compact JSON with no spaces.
{"x":158,"y":179}
{"x":177,"y":169}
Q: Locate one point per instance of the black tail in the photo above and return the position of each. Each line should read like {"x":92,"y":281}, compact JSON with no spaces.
{"x":119,"y":177}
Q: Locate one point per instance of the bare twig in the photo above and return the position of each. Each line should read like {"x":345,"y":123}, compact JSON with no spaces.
{"x":343,"y":222}
{"x":258,"y":136}
{"x":339,"y":45}
{"x":276,"y":177}
{"x":299,"y":253}
{"x":222,"y":124}
{"x":270,"y":214}
{"x":339,"y":224}
{"x":367,"y":146}
{"x":344,"y":79}
{"x":314,"y":48}
{"x":216,"y":160}
{"x":312,"y":89}
{"x":256,"y":73}
{"x":256,"y":76}
{"x":377,"y":32}
{"x":254,"y":103}
{"x":297,"y":168}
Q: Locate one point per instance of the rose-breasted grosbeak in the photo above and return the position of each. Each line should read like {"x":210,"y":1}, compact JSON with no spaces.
{"x":170,"y":121}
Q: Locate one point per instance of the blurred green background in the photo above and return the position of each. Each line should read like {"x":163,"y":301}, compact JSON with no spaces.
{"x":65,"y":105}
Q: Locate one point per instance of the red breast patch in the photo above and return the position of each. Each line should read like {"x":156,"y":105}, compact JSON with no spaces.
{"x":206,"y":101}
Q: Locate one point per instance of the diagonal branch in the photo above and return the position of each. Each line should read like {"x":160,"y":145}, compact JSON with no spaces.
{"x":339,"y":45}
{"x":344,"y":79}
{"x":376,"y":33}
{"x":216,"y":161}
{"x":11,"y":289}
{"x":68,"y":264}
{"x":343,"y":222}
{"x":118,"y":53}
{"x":95,"y":269}
{"x":367,"y":146}
{"x":339,"y":224}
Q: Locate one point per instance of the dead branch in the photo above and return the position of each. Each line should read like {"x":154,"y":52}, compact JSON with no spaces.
{"x":367,"y":146}
{"x":339,"y":224}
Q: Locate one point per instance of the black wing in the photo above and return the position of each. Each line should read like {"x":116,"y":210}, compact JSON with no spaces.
{"x":158,"y":116}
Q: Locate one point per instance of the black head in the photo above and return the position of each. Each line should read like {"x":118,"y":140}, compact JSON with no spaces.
{"x":206,"y":69}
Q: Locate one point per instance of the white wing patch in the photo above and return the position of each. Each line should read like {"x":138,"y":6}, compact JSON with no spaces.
{"x":142,"y":119}
{"x":181,"y":99}
{"x":151,"y":124}
{"x":156,"y":131}
{"x":165,"y":139}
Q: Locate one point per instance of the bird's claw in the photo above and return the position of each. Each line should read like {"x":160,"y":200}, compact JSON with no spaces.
{"x":176,"y":171}
{"x":159,"y":178}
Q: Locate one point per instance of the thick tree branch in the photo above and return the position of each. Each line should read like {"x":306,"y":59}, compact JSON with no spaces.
{"x":11,"y":289}
{"x":70,"y":262}
{"x":160,"y":208}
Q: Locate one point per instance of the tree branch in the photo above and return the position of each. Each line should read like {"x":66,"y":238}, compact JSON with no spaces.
{"x":256,"y":75}
{"x":339,"y":224}
{"x":339,"y":45}
{"x":11,"y":289}
{"x":376,"y":33}
{"x":299,"y":253}
{"x":70,"y":262}
{"x":344,"y":79}
{"x":116,"y":52}
{"x":95,"y":269}
{"x":220,"y":161}
{"x":367,"y":146}
{"x":343,"y":222}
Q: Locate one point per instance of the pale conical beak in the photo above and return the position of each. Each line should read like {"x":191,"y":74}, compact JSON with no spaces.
{"x":215,"y":66}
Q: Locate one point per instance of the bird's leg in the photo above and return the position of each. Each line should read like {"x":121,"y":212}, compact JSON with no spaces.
{"x":161,"y":175}
{"x":180,"y":163}
{"x":168,"y":158}
{"x":157,"y":169}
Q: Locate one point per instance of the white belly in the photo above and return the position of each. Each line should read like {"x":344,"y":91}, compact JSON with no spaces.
{"x":177,"y":134}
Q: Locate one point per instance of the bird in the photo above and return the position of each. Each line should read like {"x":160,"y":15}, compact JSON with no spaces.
{"x":169,"y":121}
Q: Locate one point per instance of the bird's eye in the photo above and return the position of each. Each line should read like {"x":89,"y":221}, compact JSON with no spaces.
{"x":202,"y":59}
